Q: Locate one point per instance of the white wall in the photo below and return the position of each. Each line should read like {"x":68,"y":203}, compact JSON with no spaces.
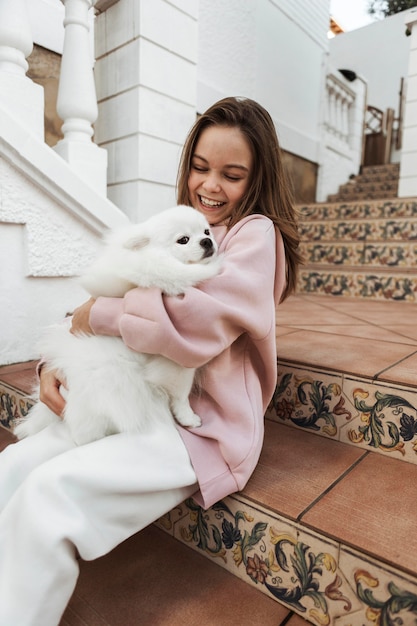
{"x":274,"y":51}
{"x":379,"y":52}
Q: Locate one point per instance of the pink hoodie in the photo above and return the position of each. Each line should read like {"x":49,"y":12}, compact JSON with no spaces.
{"x":226,"y":325}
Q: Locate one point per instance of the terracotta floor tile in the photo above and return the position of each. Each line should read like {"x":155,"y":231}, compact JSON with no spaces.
{"x":6,"y":438}
{"x":296,"y":467}
{"x":404,"y":330}
{"x":353,"y":355}
{"x":154,"y":580}
{"x":404,"y":372}
{"x":373,"y":509}
{"x":21,"y":375}
{"x":321,"y":317}
{"x":367,"y":331}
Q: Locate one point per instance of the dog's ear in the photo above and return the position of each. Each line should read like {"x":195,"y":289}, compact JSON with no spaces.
{"x":136,"y":242}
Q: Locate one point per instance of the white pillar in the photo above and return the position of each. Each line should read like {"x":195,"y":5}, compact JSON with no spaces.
{"x":408,"y":166}
{"x":146,"y":61}
{"x":21,"y":97}
{"x":77,"y":103}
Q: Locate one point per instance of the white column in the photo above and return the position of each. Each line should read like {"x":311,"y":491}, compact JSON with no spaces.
{"x":19,"y":94}
{"x":77,"y":103}
{"x":146,"y":61}
{"x":408,"y":166}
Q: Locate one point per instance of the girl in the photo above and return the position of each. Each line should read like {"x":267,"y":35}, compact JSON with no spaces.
{"x":58,"y":501}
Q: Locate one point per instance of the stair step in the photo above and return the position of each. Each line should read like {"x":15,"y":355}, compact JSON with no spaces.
{"x":370,"y":283}
{"x":387,"y":208}
{"x":385,"y":229}
{"x":374,"y":182}
{"x":382,"y":170}
{"x":366,"y":255}
{"x":358,"y":196}
{"x":151,"y":580}
{"x":326,"y":524}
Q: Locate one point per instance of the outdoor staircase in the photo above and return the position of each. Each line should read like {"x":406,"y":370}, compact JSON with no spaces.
{"x":326,"y":526}
{"x":363,"y":248}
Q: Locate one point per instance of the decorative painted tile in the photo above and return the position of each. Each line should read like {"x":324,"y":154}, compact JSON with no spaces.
{"x":309,"y":399}
{"x":13,"y":404}
{"x":168,"y":521}
{"x":388,"y":597}
{"x":359,"y":210}
{"x":326,"y":283}
{"x":354,"y":284}
{"x":384,"y":418}
{"x":394,"y":229}
{"x":293,"y":566}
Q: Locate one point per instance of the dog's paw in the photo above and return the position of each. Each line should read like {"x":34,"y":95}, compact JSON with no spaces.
{"x":188,"y":419}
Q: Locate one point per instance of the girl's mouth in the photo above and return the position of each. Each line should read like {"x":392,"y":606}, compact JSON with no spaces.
{"x":210,"y":204}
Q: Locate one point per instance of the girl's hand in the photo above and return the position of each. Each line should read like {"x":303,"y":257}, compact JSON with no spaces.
{"x":81,"y":317}
{"x":49,"y":394}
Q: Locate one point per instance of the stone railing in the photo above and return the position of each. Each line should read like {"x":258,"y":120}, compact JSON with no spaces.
{"x":77,"y":103}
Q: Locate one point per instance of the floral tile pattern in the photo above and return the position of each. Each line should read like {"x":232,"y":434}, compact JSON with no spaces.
{"x":388,"y":598}
{"x":309,"y":399}
{"x":374,"y":416}
{"x":389,"y":255}
{"x":13,"y":404}
{"x":377,"y":285}
{"x":322,"y":581}
{"x":360,"y":230}
{"x":384,"y":419}
{"x":359,"y":210}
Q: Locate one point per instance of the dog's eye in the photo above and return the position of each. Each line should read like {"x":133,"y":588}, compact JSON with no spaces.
{"x":207,"y":232}
{"x":183,"y":240}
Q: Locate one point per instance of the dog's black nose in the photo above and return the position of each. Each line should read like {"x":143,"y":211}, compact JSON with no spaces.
{"x":206,"y":243}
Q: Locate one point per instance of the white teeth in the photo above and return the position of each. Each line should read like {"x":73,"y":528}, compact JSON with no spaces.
{"x":211,"y":203}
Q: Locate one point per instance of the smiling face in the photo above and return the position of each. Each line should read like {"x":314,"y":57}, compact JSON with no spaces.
{"x":220,"y":171}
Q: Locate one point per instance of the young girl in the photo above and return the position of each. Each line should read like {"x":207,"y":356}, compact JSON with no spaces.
{"x":58,"y":501}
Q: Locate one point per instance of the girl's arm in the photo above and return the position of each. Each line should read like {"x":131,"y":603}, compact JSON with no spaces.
{"x":193,"y":328}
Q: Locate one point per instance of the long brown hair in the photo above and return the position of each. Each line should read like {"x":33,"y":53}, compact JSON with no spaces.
{"x":268,"y":192}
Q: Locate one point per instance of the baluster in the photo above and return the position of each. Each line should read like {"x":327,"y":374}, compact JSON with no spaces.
{"x":77,"y":102}
{"x":19,"y":94}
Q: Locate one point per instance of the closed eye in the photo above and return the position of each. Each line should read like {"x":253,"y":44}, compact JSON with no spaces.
{"x":183,"y":240}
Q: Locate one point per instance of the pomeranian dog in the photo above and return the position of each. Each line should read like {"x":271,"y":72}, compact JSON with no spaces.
{"x":109,"y":387}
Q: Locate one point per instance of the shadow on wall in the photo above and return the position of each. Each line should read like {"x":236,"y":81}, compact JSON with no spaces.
{"x":44,"y":69}
{"x":303,"y":176}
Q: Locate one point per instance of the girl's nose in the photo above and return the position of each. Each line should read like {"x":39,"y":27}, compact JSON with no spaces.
{"x":212,"y":183}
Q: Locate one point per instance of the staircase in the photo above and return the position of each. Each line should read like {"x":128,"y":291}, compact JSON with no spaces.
{"x":364,"y":248}
{"x":326,"y":527}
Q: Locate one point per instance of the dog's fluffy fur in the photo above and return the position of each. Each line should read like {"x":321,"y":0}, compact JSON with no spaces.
{"x":110,"y":387}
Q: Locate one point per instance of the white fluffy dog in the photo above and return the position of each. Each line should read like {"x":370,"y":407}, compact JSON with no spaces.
{"x":110,"y":387}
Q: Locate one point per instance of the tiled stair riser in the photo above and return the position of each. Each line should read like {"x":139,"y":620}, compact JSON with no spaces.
{"x":389,"y":255}
{"x":353,"y":210}
{"x":377,"y":230}
{"x":325,"y":582}
{"x":372,"y":183}
{"x":359,"y":284}
{"x":376,"y":416}
{"x":14,"y":404}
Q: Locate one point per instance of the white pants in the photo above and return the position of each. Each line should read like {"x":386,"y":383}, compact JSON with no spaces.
{"x":58,"y":501}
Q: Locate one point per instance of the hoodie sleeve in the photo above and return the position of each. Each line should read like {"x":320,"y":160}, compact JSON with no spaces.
{"x":193,"y":328}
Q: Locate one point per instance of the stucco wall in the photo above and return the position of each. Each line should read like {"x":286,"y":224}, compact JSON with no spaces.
{"x":274,"y":52}
{"x":380,"y":53}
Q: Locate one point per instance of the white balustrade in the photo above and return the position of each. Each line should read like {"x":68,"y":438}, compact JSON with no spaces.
{"x":339,"y":100}
{"x":77,"y":102}
{"x":19,"y":95}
